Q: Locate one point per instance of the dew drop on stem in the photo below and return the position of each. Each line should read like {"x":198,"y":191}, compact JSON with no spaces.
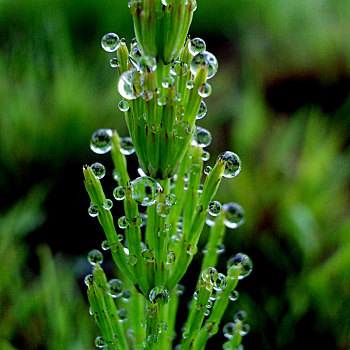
{"x":110,"y":42}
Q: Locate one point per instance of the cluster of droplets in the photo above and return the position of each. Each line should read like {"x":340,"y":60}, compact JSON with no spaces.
{"x":237,"y":327}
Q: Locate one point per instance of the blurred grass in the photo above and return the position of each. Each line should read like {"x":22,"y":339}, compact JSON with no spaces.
{"x":56,"y":88}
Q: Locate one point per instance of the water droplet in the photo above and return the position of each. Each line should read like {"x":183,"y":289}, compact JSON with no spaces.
{"x":110,"y":42}
{"x":178,"y":68}
{"x":207,"y":59}
{"x":179,"y":289}
{"x":211,"y":328}
{"x":100,"y":342}
{"x":210,"y":275}
{"x":220,"y":249}
{"x":147,"y":255}
{"x":123,"y":222}
{"x":98,"y":169}
{"x":144,"y":190}
{"x":105,"y":245}
{"x":119,"y":193}
{"x":168,"y":82}
{"x":234,"y":215}
{"x":126,"y":295}
{"x":129,"y":84}
{"x":123,"y":315}
{"x":166,"y":2}
{"x":229,"y":330}
{"x":163,"y":209}
{"x":131,"y":260}
{"x":95,"y":257}
{"x":207,"y":170}
{"x":221,"y":282}
{"x":240,"y":316}
{"x":204,"y":90}
{"x":162,"y":100}
{"x":133,"y":5}
{"x":202,"y":137}
{"x":152,"y":339}
{"x":171,"y":257}
{"x":244,"y":329}
{"x":210,"y":304}
{"x":215,"y":208}
{"x":93,"y":210}
{"x":234,"y":295}
{"x":192,"y":250}
{"x":137,"y":221}
{"x":147,"y":95}
{"x":205,"y":156}
{"x":89,"y":280}
{"x":123,"y":106}
{"x":182,"y":129}
{"x":207,"y":312}
{"x":115,"y":288}
{"x":147,"y":63}
{"x":162,"y":327}
{"x":171,"y":198}
{"x":101,"y":141}
{"x":190,"y":84}
{"x":126,"y":146}
{"x":241,"y":263}
{"x":108,"y":204}
{"x":232,"y":164}
{"x":196,"y":46}
{"x":113,"y":62}
{"x":159,"y":295}
{"x":202,"y":110}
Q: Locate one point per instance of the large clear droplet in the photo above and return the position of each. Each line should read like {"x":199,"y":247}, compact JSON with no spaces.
{"x":179,"y":68}
{"x":130,"y":85}
{"x":100,"y":342}
{"x":119,"y":193}
{"x":95,"y":257}
{"x":207,"y":59}
{"x":234,"y":215}
{"x":159,"y":295}
{"x":229,"y":330}
{"x":144,"y":190}
{"x":204,"y":90}
{"x":110,"y":42}
{"x":215,"y":208}
{"x":202,"y":111}
{"x":196,"y":46}
{"x":126,"y":146}
{"x":242,"y":263}
{"x":123,"y":106}
{"x":115,"y":288}
{"x":202,"y":137}
{"x":147,"y":63}
{"x":210,"y":275}
{"x":93,"y":210}
{"x":101,"y":141}
{"x":232,"y":164}
{"x":113,"y":62}
{"x":98,"y":169}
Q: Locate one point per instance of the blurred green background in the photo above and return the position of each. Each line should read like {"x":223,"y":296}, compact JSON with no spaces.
{"x":280,"y":100}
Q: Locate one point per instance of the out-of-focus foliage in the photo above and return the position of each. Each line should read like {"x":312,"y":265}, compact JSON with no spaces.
{"x":279,"y":100}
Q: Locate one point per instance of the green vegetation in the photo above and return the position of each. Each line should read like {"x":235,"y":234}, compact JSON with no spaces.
{"x":56,"y":82}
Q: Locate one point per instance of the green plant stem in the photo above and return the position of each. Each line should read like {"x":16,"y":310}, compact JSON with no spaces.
{"x":118,"y":329}
{"x":196,"y":315}
{"x":216,"y":236}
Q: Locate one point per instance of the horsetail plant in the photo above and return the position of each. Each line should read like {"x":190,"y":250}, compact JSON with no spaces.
{"x":163,"y":81}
